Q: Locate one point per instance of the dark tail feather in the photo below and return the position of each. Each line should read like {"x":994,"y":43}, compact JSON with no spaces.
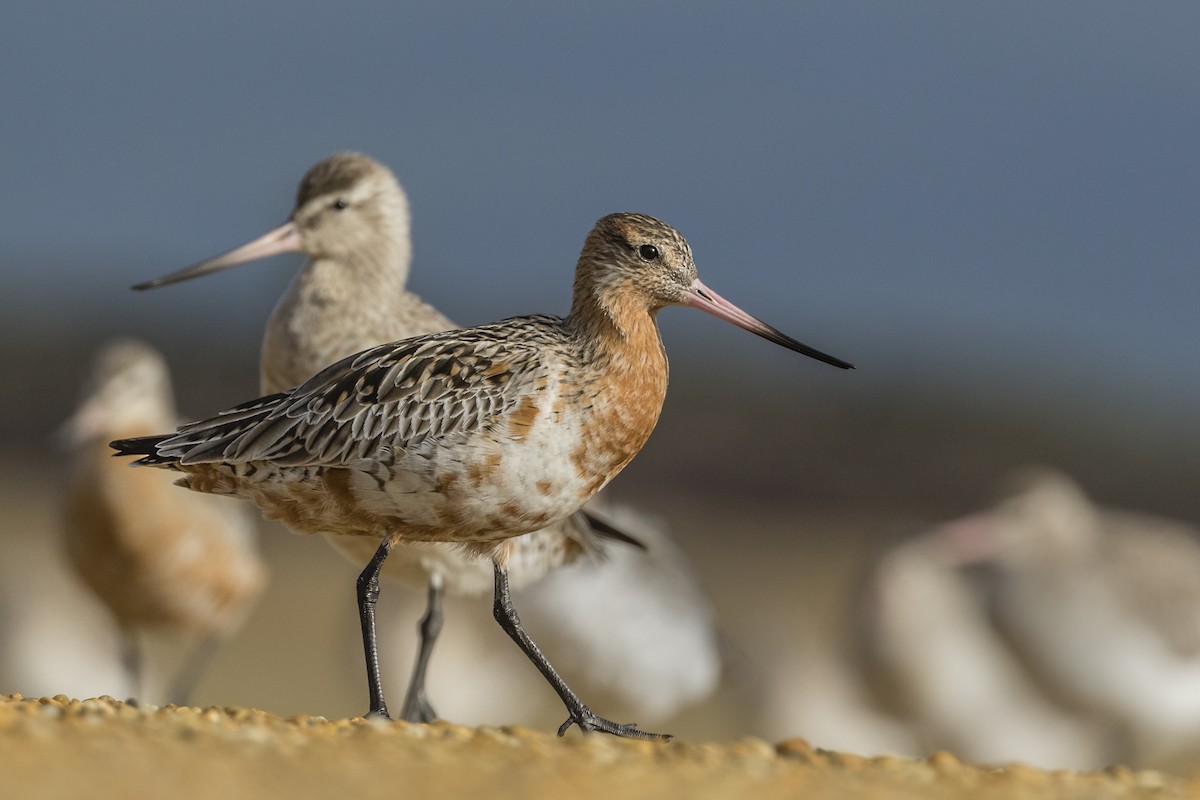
{"x":145,"y":446}
{"x":608,"y":531}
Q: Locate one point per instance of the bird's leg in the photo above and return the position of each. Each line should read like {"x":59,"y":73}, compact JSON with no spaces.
{"x":131,"y":661}
{"x":193,"y":669}
{"x":416,"y":702}
{"x":368,"y":595}
{"x":579,"y":714}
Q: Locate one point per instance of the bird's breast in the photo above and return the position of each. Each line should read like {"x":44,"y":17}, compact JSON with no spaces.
{"x":617,"y":408}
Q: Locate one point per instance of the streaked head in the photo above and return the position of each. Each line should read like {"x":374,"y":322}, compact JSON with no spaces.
{"x":349,"y":207}
{"x":635,"y":254}
{"x":350,"y":203}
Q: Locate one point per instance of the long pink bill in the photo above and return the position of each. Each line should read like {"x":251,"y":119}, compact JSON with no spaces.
{"x":706,"y":299}
{"x":284,"y":239}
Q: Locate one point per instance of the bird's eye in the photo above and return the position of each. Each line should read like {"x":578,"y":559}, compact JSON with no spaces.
{"x":648,"y":252}
{"x":340,"y":204}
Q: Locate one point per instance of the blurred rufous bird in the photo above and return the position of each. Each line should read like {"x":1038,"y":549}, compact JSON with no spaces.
{"x":158,"y":558}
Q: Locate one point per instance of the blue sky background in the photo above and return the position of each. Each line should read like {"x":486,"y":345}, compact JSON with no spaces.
{"x":1002,"y":193}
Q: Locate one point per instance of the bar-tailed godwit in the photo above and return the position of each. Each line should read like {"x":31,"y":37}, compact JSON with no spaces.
{"x":157,"y":559}
{"x":351,"y":219}
{"x":469,"y":436}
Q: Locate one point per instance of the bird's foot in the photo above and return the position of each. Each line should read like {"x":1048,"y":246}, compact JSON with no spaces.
{"x":588,"y":722}
{"x":378,"y":713}
{"x":418,"y":710}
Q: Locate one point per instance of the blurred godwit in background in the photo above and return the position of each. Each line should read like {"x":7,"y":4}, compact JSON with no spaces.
{"x":351,"y":219}
{"x":803,"y":685}
{"x":471,"y":436}
{"x":1102,"y":606}
{"x":931,"y":657}
{"x":186,"y":565}
{"x":54,"y":637}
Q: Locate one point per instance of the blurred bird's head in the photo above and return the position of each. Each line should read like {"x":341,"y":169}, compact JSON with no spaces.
{"x":1045,"y":519}
{"x":349,"y":209}
{"x":127,"y":387}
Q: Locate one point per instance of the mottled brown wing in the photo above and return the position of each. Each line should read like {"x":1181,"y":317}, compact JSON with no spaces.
{"x":390,"y":398}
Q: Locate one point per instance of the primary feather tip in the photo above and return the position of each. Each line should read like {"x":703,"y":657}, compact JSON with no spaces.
{"x":144,"y":446}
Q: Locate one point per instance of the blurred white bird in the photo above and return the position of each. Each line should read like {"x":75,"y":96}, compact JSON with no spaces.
{"x":1103,"y":606}
{"x":806,"y":687}
{"x":54,"y":637}
{"x":158,"y":558}
{"x":932,"y":658}
{"x":658,"y":651}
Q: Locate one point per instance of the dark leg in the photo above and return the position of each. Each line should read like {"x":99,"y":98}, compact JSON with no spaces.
{"x":579,"y":714}
{"x":416,"y":702}
{"x":368,"y":595}
{"x":131,"y":660}
{"x":193,"y":669}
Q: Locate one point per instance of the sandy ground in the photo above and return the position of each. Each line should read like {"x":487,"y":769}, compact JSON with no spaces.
{"x":103,"y":748}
